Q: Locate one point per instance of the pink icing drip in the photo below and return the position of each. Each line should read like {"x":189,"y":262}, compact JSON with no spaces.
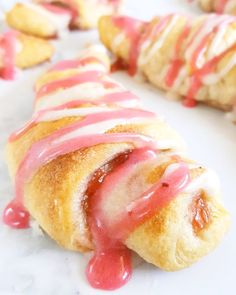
{"x":8,"y":45}
{"x":109,"y":237}
{"x":100,"y":272}
{"x":16,"y":216}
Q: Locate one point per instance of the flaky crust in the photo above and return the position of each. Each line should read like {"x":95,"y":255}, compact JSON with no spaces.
{"x":220,"y":95}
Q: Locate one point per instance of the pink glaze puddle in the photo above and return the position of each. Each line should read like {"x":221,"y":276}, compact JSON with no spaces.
{"x":16,"y":216}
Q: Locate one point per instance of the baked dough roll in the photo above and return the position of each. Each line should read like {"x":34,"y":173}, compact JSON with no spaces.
{"x":44,"y":21}
{"x":99,"y":173}
{"x":21,"y":51}
{"x":193,"y":59}
{"x":47,"y":19}
{"x":219,"y":6}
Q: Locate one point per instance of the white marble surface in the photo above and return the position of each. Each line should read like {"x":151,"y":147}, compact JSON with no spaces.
{"x":33,"y":264}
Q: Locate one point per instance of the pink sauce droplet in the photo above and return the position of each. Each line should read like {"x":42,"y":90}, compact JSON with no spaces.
{"x":189,"y":102}
{"x":16,"y":216}
{"x":109,"y":269}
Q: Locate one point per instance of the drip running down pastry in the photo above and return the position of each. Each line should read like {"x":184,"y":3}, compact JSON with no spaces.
{"x":219,"y":6}
{"x":48,"y":19}
{"x":21,"y":51}
{"x":99,"y":173}
{"x":193,"y":59}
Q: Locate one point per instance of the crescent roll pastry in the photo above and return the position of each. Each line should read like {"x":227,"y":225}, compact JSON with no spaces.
{"x":219,"y":6}
{"x":191,"y":58}
{"x":21,"y":51}
{"x":45,"y":21}
{"x":48,"y":19}
{"x":99,"y":173}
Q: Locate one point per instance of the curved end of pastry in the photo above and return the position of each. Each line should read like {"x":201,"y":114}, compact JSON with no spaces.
{"x":32,"y":51}
{"x":106,"y":36}
{"x":172,"y":240}
{"x":113,"y":37}
{"x":28,"y":20}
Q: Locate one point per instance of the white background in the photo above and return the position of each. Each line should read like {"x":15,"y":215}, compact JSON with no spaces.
{"x":32,"y":264}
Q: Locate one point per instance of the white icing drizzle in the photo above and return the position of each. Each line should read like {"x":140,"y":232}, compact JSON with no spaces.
{"x":144,"y":56}
{"x":216,"y":77}
{"x":100,"y":127}
{"x":59,"y":114}
{"x":210,"y":22}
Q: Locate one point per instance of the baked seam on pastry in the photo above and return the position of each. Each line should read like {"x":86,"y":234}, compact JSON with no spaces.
{"x":192,"y":59}
{"x":99,"y":173}
{"x":21,"y":51}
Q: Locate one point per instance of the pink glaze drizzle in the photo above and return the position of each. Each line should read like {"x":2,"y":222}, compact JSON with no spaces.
{"x":8,"y":46}
{"x":101,"y":273}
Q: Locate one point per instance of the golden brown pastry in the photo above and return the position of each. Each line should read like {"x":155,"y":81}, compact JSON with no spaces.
{"x":193,"y":59}
{"x":219,"y":6}
{"x":21,"y":51}
{"x":49,"y":19}
{"x":99,"y":173}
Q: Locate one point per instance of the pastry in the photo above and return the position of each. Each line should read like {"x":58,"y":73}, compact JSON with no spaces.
{"x":99,"y":173}
{"x":219,"y":6}
{"x":45,"y":21}
{"x":49,"y":19}
{"x":21,"y":51}
{"x":193,"y":59}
